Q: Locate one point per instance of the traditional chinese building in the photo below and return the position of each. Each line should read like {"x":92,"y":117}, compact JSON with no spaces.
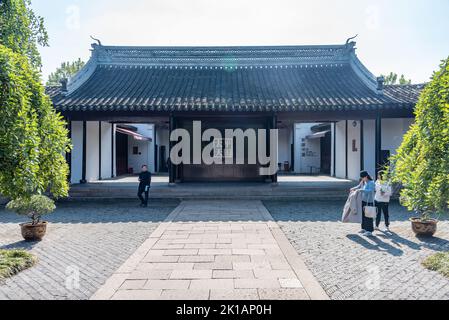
{"x":333,"y":115}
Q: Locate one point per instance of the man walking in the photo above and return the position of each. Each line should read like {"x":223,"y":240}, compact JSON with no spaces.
{"x":144,"y":185}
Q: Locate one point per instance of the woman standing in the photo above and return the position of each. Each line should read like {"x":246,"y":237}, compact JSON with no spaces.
{"x":367,"y":188}
{"x":382,"y":200}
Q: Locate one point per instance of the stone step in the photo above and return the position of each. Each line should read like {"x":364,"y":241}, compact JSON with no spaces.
{"x":302,"y":195}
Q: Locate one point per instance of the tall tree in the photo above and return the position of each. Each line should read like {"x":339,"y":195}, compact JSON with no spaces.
{"x":392,"y":78}
{"x":422,"y":161}
{"x":33,"y":137}
{"x":22,"y":30}
{"x":65,"y":71}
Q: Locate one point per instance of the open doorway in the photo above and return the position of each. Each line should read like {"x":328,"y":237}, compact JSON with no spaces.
{"x":133,"y":147}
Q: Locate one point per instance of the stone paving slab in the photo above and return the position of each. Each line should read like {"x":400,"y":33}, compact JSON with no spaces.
{"x":214,"y":250}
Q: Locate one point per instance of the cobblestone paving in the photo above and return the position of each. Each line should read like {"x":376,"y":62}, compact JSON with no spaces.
{"x":351,"y":266}
{"x":87,"y":239}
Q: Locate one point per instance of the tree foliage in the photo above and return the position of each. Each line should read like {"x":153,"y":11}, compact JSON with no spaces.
{"x":392,"y":78}
{"x":65,"y":71}
{"x":33,"y":137}
{"x":422,"y":161}
{"x":22,"y":30}
{"x":34,"y":207}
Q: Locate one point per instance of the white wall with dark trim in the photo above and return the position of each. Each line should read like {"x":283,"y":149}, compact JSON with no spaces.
{"x":92,"y":151}
{"x":106,"y":149}
{"x":77,"y":151}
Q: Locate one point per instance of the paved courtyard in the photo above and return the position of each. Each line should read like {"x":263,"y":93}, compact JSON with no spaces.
{"x":85,"y":243}
{"x":221,"y":250}
{"x":350,"y":266}
{"x":214,"y":250}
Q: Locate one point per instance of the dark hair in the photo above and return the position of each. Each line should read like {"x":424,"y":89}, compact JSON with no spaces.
{"x":365,"y":174}
{"x":144,"y":166}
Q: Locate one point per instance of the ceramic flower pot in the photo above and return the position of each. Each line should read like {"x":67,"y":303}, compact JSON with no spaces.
{"x":32,"y":232}
{"x":425,"y":228}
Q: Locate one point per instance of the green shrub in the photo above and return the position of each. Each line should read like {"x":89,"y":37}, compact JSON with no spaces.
{"x":421,"y":164}
{"x":438,"y":262}
{"x":33,"y":207}
{"x":14,"y":261}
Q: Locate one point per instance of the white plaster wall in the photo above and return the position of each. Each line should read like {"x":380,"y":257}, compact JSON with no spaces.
{"x":147,"y":130}
{"x":136,"y":161}
{"x":77,"y":151}
{"x":114,"y":168}
{"x":393,"y":131}
{"x":311,"y":149}
{"x":353,"y":156}
{"x":106,"y":150}
{"x":284,"y":146}
{"x":340,"y":166}
{"x":332,"y":149}
{"x":369,"y":146}
{"x":92,"y":151}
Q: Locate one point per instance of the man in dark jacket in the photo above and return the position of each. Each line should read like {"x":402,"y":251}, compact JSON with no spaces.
{"x":144,"y":185}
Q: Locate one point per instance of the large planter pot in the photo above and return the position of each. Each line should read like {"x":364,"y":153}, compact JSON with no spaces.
{"x":424,"y":228}
{"x":32,"y":232}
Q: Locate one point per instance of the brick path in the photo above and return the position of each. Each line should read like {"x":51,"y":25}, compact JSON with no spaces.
{"x":85,"y":243}
{"x":350,"y":266}
{"x":214,"y":250}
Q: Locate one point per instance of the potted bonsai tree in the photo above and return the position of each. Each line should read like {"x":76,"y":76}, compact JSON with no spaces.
{"x":33,"y":207}
{"x":421,"y":164}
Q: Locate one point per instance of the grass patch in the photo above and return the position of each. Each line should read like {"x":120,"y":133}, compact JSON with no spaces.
{"x":14,"y":261}
{"x":438,"y":262}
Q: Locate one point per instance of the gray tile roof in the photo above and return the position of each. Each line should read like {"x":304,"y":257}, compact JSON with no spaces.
{"x":293,"y":78}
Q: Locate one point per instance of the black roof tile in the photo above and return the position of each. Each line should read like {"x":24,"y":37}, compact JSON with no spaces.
{"x":228,"y":79}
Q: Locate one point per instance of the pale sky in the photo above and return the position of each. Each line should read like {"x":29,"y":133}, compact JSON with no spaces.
{"x":404,"y":36}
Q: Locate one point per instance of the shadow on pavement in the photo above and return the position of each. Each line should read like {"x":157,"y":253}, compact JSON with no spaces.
{"x":378,"y":244}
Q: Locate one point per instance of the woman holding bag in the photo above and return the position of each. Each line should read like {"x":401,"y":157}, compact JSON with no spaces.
{"x":368,"y":188}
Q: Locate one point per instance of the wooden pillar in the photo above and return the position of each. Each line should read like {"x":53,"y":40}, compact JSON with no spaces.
{"x":346,"y":149}
{"x":334,"y":164}
{"x":362,"y":147}
{"x":293,"y":150}
{"x":84,"y":164}
{"x":171,"y":168}
{"x":68,"y":155}
{"x":112,"y":149}
{"x":378,"y":143}
{"x":274,"y":125}
{"x":99,"y":150}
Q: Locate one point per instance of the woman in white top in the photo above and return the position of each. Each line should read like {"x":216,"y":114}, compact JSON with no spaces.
{"x":382,"y":200}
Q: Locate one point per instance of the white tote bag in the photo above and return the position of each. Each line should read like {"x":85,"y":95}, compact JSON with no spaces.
{"x":370,"y":211}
